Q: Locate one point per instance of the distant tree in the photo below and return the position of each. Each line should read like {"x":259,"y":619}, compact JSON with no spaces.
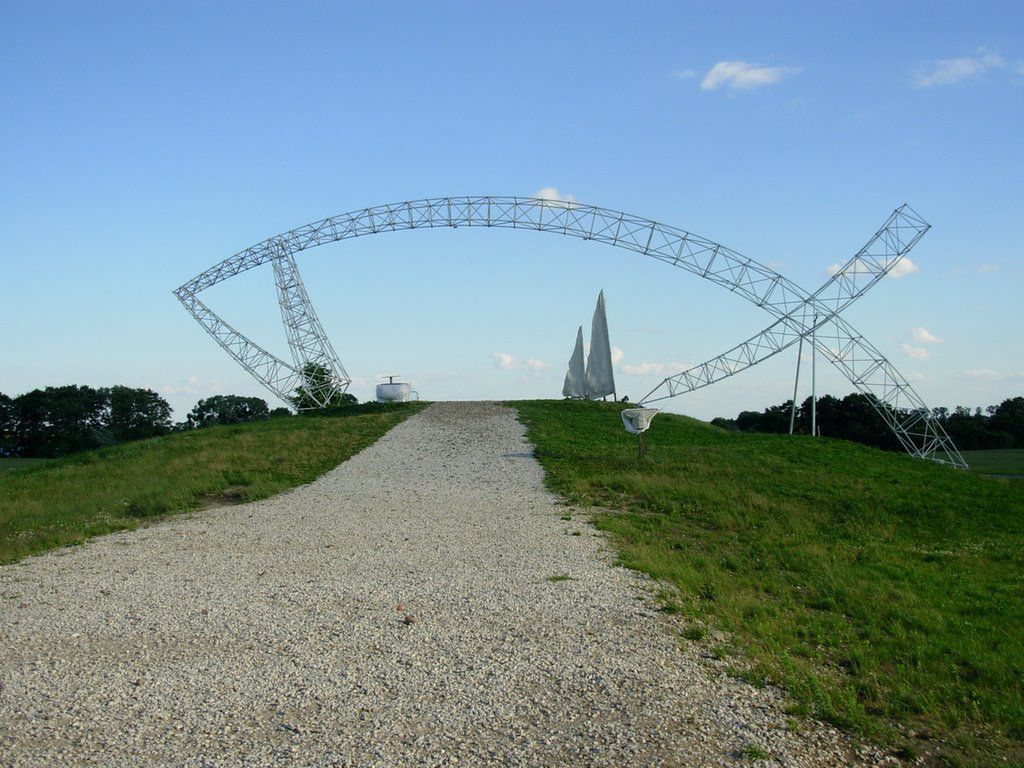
{"x":317,"y":378}
{"x":865,"y":419}
{"x":974,"y":431}
{"x":776,"y":418}
{"x":1008,"y":417}
{"x":59,"y":420}
{"x":77,"y":417}
{"x":828,"y":416}
{"x":749,"y":421}
{"x":227,"y":409}
{"x":728,"y":424}
{"x":7,"y":425}
{"x":855,"y":417}
{"x":31,"y":428}
{"x":863,"y":422}
{"x":280,"y":412}
{"x":136,"y":414}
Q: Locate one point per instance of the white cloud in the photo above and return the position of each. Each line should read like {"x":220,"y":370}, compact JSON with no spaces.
{"x":616,"y":355}
{"x":647,"y":369}
{"x":986,"y":267}
{"x":684,"y":74}
{"x":193,"y":386}
{"x":917,"y":353}
{"x":987,"y":374}
{"x":924,"y":336}
{"x":551,"y":194}
{"x":953,"y":71}
{"x":504,"y":360}
{"x":507,"y":362}
{"x":741,"y":75}
{"x":903,"y":268}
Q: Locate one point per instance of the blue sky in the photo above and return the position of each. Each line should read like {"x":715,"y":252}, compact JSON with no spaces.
{"x":141,"y":143}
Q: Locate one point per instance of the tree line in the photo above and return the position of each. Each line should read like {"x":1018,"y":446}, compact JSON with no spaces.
{"x":855,"y":417}
{"x":57,"y":421}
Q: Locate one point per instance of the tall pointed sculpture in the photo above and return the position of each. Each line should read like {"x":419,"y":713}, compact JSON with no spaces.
{"x":600,"y":379}
{"x":576,"y":378}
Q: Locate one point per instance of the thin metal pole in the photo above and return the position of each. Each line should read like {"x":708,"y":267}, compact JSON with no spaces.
{"x":814,"y":380}
{"x":796,"y":383}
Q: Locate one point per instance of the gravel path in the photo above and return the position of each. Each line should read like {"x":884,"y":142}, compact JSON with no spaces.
{"x":271,"y":633}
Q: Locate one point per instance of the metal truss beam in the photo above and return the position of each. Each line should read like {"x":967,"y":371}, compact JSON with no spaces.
{"x":793,"y":308}
{"x":271,"y":371}
{"x":323,"y":376}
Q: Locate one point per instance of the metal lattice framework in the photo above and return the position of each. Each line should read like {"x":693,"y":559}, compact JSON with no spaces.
{"x":818,"y":320}
{"x":798,"y":314}
{"x":311,"y":349}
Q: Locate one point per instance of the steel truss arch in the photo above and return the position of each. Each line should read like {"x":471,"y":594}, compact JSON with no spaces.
{"x":762,"y":286}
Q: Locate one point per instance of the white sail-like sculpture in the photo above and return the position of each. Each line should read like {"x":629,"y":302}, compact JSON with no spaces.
{"x":576,"y":377}
{"x":600,"y":379}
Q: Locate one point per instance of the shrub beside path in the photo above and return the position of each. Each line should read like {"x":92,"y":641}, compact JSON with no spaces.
{"x":424,"y":603}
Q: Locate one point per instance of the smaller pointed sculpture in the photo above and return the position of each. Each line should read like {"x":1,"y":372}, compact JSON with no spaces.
{"x":575,"y":378}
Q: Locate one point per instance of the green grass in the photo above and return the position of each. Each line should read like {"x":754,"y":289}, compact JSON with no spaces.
{"x":68,"y":500}
{"x":9,"y":465}
{"x":886,"y":593}
{"x":1008,"y":461}
{"x":560,"y":577}
{"x":753,"y":753}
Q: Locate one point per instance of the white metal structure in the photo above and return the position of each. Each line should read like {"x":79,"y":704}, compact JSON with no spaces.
{"x":793,"y":308}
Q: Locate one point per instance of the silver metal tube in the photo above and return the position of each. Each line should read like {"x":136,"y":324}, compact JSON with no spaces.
{"x":814,"y":381}
{"x":796,"y":383}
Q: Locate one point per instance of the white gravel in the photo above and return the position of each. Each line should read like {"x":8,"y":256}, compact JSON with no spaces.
{"x":270,"y":633}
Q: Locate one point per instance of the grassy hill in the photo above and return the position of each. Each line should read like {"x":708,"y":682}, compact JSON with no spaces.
{"x":9,"y":465}
{"x":65,"y":501}
{"x":1006,"y":461}
{"x":886,"y":593}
